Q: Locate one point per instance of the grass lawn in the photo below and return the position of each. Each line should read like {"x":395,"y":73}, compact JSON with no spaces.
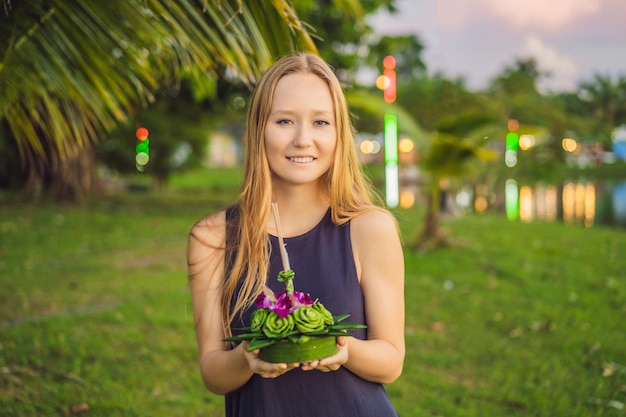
{"x":514,"y":319}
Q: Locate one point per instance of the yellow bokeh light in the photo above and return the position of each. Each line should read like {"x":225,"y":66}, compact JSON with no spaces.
{"x":407,"y":199}
{"x":481,"y":204}
{"x":367,"y":147}
{"x":526,"y":203}
{"x":526,"y":142}
{"x":382,"y":82}
{"x":569,"y":144}
{"x":405,"y":145}
{"x":590,"y":204}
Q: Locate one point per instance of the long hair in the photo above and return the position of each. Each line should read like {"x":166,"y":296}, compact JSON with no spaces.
{"x":348,"y":191}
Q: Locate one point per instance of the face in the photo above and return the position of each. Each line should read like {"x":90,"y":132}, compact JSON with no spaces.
{"x":300,"y":135}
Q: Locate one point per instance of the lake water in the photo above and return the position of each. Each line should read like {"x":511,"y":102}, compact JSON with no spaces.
{"x":586,"y":203}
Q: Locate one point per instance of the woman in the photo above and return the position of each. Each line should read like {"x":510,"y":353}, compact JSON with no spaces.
{"x":300,"y":154}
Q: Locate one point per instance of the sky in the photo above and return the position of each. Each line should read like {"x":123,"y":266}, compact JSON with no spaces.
{"x":572,"y":40}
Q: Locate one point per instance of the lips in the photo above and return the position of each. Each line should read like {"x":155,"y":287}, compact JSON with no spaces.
{"x":301,"y":159}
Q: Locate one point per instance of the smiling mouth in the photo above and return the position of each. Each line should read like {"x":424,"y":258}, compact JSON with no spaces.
{"x":301,"y":159}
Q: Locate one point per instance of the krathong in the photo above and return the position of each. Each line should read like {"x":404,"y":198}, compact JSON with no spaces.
{"x":290,"y":326}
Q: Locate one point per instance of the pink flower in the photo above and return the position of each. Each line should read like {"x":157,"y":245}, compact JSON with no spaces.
{"x":299,"y":299}
{"x":283,"y":303}
{"x":263,"y":301}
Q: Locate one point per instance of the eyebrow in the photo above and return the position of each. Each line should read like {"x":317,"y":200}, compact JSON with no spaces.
{"x":315,"y":112}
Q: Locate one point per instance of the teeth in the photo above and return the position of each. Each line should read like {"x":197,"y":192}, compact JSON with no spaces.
{"x":302,"y":160}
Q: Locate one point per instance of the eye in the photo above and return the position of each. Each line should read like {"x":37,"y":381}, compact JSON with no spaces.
{"x":322,"y":123}
{"x":283,"y":122}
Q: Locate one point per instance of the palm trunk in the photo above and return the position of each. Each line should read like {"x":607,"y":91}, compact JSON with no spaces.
{"x":62,"y":179}
{"x":430,"y":234}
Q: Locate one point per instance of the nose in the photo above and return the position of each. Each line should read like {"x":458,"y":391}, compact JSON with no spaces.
{"x":303,"y":138}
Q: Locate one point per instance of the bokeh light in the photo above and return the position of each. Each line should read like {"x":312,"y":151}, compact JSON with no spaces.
{"x":480,"y":203}
{"x":142,"y":158}
{"x":405,"y":145}
{"x":569,"y":144}
{"x":389,"y":62}
{"x":142,"y":149}
{"x":510,"y":158}
{"x":407,"y":199}
{"x":526,"y":142}
{"x":142,"y":133}
{"x":370,"y":147}
{"x":511,"y":197}
{"x":382,"y":82}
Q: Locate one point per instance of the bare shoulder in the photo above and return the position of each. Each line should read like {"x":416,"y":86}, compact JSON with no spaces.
{"x":376,"y":247}
{"x":373,"y":224}
{"x":209,"y":231}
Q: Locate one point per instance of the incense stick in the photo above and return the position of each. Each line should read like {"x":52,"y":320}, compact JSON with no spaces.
{"x":281,"y":243}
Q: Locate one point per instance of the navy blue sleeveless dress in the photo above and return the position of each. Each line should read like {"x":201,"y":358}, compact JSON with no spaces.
{"x":324,"y":265}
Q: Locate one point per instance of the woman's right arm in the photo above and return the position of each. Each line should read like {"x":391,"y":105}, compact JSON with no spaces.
{"x":222,"y":369}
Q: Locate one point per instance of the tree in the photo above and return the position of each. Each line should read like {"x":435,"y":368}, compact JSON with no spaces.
{"x":515,"y":93}
{"x":515,"y":89}
{"x":406,"y":49}
{"x":368,"y":111}
{"x":432,"y":100}
{"x":178,"y":129}
{"x":73,"y":70}
{"x":605,"y":99}
{"x":449,"y":156}
{"x":340,"y":31}
{"x":462,"y":126}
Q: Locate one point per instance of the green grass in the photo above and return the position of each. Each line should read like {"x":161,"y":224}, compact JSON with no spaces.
{"x":514,"y":319}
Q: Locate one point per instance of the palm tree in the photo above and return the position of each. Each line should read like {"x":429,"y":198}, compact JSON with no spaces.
{"x":449,"y":156}
{"x":369,"y":110}
{"x":72,"y":70}
{"x":605,"y":98}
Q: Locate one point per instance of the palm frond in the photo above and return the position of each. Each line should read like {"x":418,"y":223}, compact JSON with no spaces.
{"x":72,"y":69}
{"x":373,"y":106}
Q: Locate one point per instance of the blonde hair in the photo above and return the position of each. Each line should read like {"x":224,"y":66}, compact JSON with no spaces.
{"x":349,"y":193}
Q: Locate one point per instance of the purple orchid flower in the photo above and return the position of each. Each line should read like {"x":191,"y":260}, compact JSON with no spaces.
{"x":283,"y":303}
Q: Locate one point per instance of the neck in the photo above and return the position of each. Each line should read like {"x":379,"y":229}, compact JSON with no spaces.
{"x":300,"y":209}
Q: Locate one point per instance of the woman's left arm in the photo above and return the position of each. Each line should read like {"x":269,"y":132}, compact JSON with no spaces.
{"x":380,"y":266}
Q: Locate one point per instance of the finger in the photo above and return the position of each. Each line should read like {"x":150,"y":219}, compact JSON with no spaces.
{"x":307,"y":366}
{"x":272,"y":370}
{"x":273,"y":373}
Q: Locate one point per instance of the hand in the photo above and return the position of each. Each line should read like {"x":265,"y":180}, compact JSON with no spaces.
{"x":331,"y":363}
{"x":263,"y":368}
